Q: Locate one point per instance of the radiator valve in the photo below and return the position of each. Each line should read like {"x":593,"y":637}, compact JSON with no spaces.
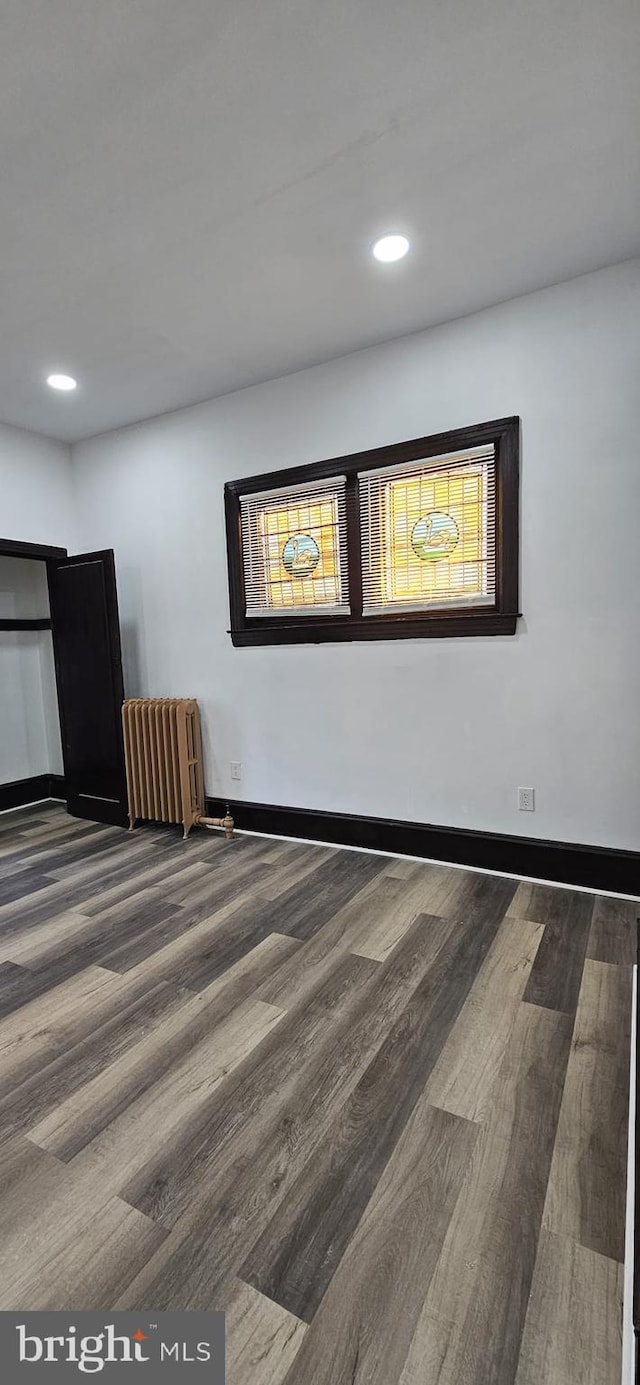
{"x":226,"y":822}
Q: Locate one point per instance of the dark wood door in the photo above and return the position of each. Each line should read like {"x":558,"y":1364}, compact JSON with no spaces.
{"x":86,"y":645}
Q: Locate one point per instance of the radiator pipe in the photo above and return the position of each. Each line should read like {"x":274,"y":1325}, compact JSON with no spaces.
{"x":226,"y":822}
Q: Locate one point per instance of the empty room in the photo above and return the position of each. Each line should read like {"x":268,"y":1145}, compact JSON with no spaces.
{"x":319,"y":691}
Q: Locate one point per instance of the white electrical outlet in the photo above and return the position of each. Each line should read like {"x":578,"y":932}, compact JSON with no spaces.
{"x":527,"y":800}
{"x":236,"y":769}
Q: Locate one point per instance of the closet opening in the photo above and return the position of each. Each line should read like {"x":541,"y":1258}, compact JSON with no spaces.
{"x":61,"y":685}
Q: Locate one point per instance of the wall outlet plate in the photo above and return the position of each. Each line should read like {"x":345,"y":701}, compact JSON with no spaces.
{"x":527,"y":800}
{"x":236,"y":769}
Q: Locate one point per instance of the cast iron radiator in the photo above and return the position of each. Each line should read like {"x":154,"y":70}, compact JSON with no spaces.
{"x":163,"y":759}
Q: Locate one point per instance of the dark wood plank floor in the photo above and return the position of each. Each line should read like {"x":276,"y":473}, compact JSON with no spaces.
{"x":374,"y":1109}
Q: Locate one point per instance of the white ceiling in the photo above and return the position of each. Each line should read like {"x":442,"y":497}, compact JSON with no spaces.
{"x":190,"y":187}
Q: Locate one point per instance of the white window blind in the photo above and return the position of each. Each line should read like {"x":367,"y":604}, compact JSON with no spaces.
{"x":294,"y":550}
{"x":428,"y":533}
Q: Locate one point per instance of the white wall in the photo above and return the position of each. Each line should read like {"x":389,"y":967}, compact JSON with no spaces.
{"x":436,"y":731}
{"x":36,"y":488}
{"x":29,"y":726}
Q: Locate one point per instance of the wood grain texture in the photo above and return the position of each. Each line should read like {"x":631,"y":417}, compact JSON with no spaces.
{"x":587,"y":1184}
{"x":547,"y":903}
{"x":307,"y":905}
{"x":84,"y":949}
{"x":466,"y":1070}
{"x":70,"y":1010}
{"x":316,"y":958}
{"x":114,"y":1241}
{"x":22,"y":883}
{"x":59,"y":1239}
{"x":337,"y":1094}
{"x":30,"y":947}
{"x":169,"y":1073}
{"x":573,"y":1332}
{"x":295,"y":1259}
{"x":474,"y":1312}
{"x":295,"y":862}
{"x":219,"y":1188}
{"x":381,"y":928}
{"x":532,"y":1074}
{"x":48,"y":1078}
{"x":557,"y":971}
{"x":363,"y":1328}
{"x":262,"y":1340}
{"x":613,"y":936}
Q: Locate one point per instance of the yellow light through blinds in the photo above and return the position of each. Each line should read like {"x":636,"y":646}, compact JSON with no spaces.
{"x":294,"y":550}
{"x":301,"y":550}
{"x":428,"y":534}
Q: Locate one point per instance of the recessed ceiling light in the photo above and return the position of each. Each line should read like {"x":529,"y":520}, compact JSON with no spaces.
{"x":61,"y":382}
{"x":390,"y":248}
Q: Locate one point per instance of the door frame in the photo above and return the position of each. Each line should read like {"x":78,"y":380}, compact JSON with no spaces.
{"x":33,"y":552}
{"x":51,"y":556}
{"x":20,"y":793}
{"x":118,"y":815}
{"x":17,"y":548}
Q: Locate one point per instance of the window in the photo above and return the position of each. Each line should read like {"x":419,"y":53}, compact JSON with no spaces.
{"x":294,"y":550}
{"x":419,"y":539}
{"x":428,"y":534}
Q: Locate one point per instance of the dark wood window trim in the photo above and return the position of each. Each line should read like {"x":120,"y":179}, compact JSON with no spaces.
{"x":499,"y":619}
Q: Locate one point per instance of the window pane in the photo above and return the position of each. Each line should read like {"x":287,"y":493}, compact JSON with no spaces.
{"x":428,"y":536}
{"x":302,"y":554}
{"x":433,"y":536}
{"x":294,"y":550}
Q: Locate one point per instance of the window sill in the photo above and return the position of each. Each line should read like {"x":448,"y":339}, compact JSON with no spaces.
{"x":443,"y":625}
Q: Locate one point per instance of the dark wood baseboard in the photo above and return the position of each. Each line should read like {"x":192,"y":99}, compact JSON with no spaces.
{"x":24,"y":791}
{"x":594,"y":867}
